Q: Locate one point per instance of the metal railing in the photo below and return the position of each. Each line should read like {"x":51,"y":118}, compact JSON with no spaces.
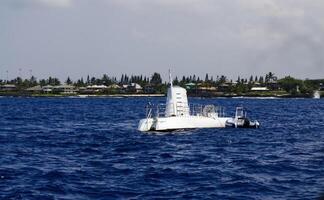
{"x":159,"y":110}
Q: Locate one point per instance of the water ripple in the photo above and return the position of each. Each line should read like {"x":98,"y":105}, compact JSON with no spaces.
{"x":56,"y":148}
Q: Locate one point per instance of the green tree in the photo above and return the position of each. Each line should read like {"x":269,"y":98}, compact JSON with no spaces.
{"x":261,"y":80}
{"x":251,"y":79}
{"x":106,"y":80}
{"x":176,"y":81}
{"x":221,"y":80}
{"x":80,"y":83}
{"x":32,"y":81}
{"x":68,"y":81}
{"x":290,"y":84}
{"x":156,"y":79}
{"x":42,"y":82}
{"x":206,"y":78}
{"x":270,"y":77}
{"x":88,"y":80}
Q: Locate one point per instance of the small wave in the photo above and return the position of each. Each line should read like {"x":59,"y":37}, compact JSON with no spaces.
{"x":57,"y":148}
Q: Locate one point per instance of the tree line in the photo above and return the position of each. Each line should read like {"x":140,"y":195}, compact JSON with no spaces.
{"x":240,"y":85}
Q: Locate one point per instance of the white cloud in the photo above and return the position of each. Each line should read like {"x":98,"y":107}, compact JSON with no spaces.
{"x":261,"y":35}
{"x":56,"y":3}
{"x":272,"y":8}
{"x":195,"y":6}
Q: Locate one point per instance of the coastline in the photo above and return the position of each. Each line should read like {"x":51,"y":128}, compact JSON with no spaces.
{"x":235,"y":96}
{"x":81,"y":95}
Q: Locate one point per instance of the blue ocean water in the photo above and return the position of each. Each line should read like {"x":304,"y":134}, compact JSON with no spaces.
{"x":69,"y":148}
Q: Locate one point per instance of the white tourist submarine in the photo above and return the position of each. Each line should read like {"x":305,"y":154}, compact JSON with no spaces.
{"x":177,"y":115}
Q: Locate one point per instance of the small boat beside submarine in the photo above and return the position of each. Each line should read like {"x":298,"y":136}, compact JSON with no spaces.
{"x":241,"y":120}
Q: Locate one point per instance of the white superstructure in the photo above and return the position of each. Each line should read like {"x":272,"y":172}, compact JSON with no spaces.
{"x":177,"y":102}
{"x":178,"y":114}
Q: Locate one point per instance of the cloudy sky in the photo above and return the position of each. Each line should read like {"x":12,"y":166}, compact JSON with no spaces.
{"x":231,"y":37}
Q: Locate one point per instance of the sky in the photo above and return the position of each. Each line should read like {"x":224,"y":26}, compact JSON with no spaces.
{"x":234,"y":38}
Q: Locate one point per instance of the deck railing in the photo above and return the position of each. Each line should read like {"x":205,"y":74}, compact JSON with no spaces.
{"x":159,"y":110}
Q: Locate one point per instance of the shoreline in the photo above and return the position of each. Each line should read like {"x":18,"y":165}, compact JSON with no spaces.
{"x":239,"y":96}
{"x":81,"y":95}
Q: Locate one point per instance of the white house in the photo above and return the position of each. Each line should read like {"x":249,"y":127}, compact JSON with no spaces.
{"x":8,"y":87}
{"x":47,"y":88}
{"x":259,"y":89}
{"x":65,"y":89}
{"x":114,"y":86}
{"x":36,"y":88}
{"x":96,"y":88}
{"x":135,"y":87}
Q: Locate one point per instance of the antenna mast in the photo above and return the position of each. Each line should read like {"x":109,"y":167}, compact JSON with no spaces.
{"x":170,"y":79}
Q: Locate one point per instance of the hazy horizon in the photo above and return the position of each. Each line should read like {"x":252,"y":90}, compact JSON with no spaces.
{"x":76,"y":38}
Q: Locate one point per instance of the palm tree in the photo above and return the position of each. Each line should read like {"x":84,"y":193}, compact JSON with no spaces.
{"x":270,"y":77}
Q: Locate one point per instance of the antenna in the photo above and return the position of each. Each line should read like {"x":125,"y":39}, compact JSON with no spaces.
{"x":170,"y":79}
{"x":172,"y":101}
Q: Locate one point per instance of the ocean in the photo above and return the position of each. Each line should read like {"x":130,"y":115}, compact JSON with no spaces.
{"x":89,"y":148}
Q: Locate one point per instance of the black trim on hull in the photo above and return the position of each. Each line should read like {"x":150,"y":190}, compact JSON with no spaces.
{"x":171,"y":130}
